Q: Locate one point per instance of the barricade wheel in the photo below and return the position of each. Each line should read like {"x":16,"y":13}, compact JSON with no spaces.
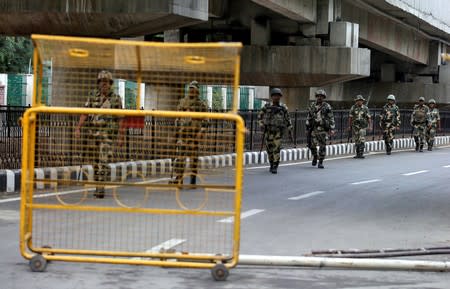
{"x":219,"y":272}
{"x":38,"y":263}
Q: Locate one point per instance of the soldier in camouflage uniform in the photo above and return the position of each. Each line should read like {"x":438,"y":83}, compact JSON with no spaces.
{"x":420,"y":120}
{"x":320,"y":121}
{"x":389,"y":122}
{"x":102,"y":131}
{"x":359,"y":120}
{"x":274,"y":120}
{"x":189,"y":131}
{"x":435,"y":120}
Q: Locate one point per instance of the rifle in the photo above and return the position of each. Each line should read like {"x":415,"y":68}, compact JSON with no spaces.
{"x":350,"y":135}
{"x":262,"y":145}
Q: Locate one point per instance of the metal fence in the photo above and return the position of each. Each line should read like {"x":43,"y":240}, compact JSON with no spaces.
{"x":146,"y":133}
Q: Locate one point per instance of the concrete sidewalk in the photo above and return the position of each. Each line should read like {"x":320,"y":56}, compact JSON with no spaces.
{"x":10,"y":179}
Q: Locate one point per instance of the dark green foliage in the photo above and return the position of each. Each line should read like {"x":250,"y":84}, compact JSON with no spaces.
{"x":15,"y":54}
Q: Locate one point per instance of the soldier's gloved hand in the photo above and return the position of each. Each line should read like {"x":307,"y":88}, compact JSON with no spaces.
{"x":332,"y":132}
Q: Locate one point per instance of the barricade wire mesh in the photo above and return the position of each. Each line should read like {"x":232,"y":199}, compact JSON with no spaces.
{"x":140,"y":182}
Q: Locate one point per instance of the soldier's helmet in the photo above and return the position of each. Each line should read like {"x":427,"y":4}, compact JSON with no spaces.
{"x":432,"y":101}
{"x":104,"y":74}
{"x":421,"y":98}
{"x":359,"y":97}
{"x":321,"y":92}
{"x":391,"y":97}
{"x":274,"y":91}
{"x":194,"y":84}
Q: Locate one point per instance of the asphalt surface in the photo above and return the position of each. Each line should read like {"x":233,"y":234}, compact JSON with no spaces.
{"x":397,"y":201}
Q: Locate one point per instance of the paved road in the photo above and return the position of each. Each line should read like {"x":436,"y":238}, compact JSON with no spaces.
{"x":399,"y":201}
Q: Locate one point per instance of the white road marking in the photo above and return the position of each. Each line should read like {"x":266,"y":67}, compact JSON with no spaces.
{"x":243,"y":215}
{"x":9,"y":215}
{"x":366,"y":182}
{"x":75,"y":191}
{"x":166,"y":245}
{"x":304,"y":196}
{"x":448,"y":166}
{"x":415,"y":173}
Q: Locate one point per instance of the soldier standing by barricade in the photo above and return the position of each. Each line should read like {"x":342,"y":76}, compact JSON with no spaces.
{"x":420,"y":121}
{"x":359,"y":120}
{"x":189,"y":132}
{"x":273,"y":120}
{"x":101,"y":131}
{"x":389,"y":122}
{"x":435,"y":120}
{"x":320,"y":123}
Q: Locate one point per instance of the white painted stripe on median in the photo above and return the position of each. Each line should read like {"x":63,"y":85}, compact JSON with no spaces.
{"x":308,"y":195}
{"x":366,"y":182}
{"x":243,"y":215}
{"x":415,"y":173}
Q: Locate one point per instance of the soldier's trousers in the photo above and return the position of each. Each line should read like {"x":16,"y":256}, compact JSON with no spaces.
{"x":185,"y":149}
{"x":319,"y":138}
{"x":273,"y":145}
{"x":359,"y":135}
{"x":100,"y":153}
{"x":419,"y":133}
{"x":388,"y":136}
{"x":430,"y":134}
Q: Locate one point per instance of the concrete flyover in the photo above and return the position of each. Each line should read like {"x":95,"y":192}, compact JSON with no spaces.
{"x":111,"y":18}
{"x":296,"y":66}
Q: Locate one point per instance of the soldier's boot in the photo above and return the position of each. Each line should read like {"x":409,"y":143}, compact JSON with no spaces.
{"x":99,"y":192}
{"x":274,"y":168}
{"x":357,"y":152}
{"x":388,"y":150}
{"x":178,"y":180}
{"x":421,"y":148}
{"x":361,"y":151}
{"x":314,"y":161}
{"x":430,"y":145}
{"x":320,"y":165}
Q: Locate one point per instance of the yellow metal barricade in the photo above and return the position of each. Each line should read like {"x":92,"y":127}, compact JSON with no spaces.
{"x":156,"y":186}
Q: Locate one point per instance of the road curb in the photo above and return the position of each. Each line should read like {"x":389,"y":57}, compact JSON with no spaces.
{"x":10,"y":179}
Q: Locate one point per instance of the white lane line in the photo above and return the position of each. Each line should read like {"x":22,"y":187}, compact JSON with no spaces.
{"x":9,"y":215}
{"x":448,"y":166}
{"x":415,"y":173}
{"x":75,"y":191}
{"x":166,"y":245}
{"x":304,"y":196}
{"x":243,"y":215}
{"x":366,"y":182}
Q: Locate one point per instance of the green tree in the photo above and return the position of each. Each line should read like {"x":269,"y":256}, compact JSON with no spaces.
{"x":15,"y":54}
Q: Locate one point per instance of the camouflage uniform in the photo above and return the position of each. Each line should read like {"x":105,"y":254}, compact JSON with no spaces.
{"x":275,"y":119}
{"x":360,"y":118}
{"x":102,"y":132}
{"x":320,"y":121}
{"x":389,"y":121}
{"x":186,"y":138}
{"x":420,"y":119}
{"x":435,"y":119}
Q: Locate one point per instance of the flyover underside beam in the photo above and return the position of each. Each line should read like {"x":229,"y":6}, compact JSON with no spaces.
{"x":295,"y":66}
{"x":382,"y":33}
{"x":297,"y":10}
{"x":95,"y":18}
